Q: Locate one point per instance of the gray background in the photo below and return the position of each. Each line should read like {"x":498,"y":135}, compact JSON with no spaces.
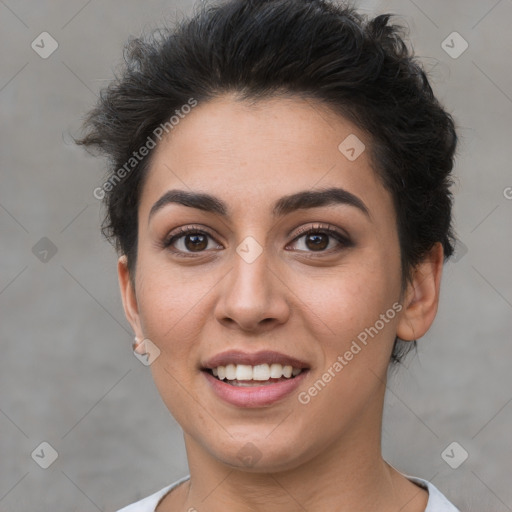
{"x":68,"y":376}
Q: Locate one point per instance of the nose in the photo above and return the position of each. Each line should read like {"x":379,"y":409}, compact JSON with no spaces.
{"x":253,"y":296}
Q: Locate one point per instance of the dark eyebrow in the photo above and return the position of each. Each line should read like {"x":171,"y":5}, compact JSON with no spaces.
{"x":205,"y":202}
{"x":316,"y":198}
{"x":283,"y":206}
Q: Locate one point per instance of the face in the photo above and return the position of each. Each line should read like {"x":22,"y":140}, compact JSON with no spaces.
{"x":267,"y":271}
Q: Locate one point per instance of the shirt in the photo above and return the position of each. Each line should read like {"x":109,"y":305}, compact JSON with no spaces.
{"x":437,"y":502}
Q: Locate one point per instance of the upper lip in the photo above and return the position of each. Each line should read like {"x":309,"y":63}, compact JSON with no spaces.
{"x":262,"y":357}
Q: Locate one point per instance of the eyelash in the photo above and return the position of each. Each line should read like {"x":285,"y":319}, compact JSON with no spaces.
{"x":342,"y":239}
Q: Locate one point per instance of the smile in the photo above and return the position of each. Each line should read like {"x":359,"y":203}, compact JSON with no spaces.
{"x":247,"y":375}
{"x":253,"y":380}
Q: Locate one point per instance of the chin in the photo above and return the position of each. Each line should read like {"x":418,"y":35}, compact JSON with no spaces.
{"x":259,"y":454}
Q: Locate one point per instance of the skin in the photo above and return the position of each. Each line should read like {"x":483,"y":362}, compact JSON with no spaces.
{"x":294,"y":298}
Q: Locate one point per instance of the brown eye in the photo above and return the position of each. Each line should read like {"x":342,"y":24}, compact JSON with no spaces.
{"x":188,"y":241}
{"x":319,"y":240}
{"x":195,"y":242}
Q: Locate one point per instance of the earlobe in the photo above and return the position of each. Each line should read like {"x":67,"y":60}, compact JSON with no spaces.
{"x":131,"y":308}
{"x":139,"y":346}
{"x":422,"y":296}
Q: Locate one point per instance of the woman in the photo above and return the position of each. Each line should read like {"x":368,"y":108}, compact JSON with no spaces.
{"x":279,"y":197}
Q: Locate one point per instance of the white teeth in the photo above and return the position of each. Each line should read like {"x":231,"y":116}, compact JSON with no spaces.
{"x":276,"y":371}
{"x":231,"y":372}
{"x":260,"y":372}
{"x":243,"y":372}
{"x":287,"y":371}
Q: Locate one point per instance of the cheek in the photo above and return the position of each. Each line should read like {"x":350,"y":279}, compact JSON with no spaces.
{"x":343,"y":303}
{"x":172,"y":304}
{"x":355,"y":335}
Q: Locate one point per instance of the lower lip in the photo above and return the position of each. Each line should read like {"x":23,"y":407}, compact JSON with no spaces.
{"x":254,"y":396}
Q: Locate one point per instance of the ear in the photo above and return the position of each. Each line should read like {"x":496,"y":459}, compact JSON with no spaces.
{"x":131,"y":308}
{"x":422,"y":296}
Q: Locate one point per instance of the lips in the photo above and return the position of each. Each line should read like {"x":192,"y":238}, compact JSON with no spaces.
{"x":251,"y":380}
{"x":237,"y":357}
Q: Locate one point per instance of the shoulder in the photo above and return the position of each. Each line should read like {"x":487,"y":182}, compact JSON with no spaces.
{"x":149,"y":503}
{"x":437,"y":501}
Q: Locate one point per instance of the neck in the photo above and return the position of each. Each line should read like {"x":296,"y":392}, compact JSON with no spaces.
{"x":353,"y":482}
{"x":345,"y":476}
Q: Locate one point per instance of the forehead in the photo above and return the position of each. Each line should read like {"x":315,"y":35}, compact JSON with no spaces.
{"x":252,"y":153}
